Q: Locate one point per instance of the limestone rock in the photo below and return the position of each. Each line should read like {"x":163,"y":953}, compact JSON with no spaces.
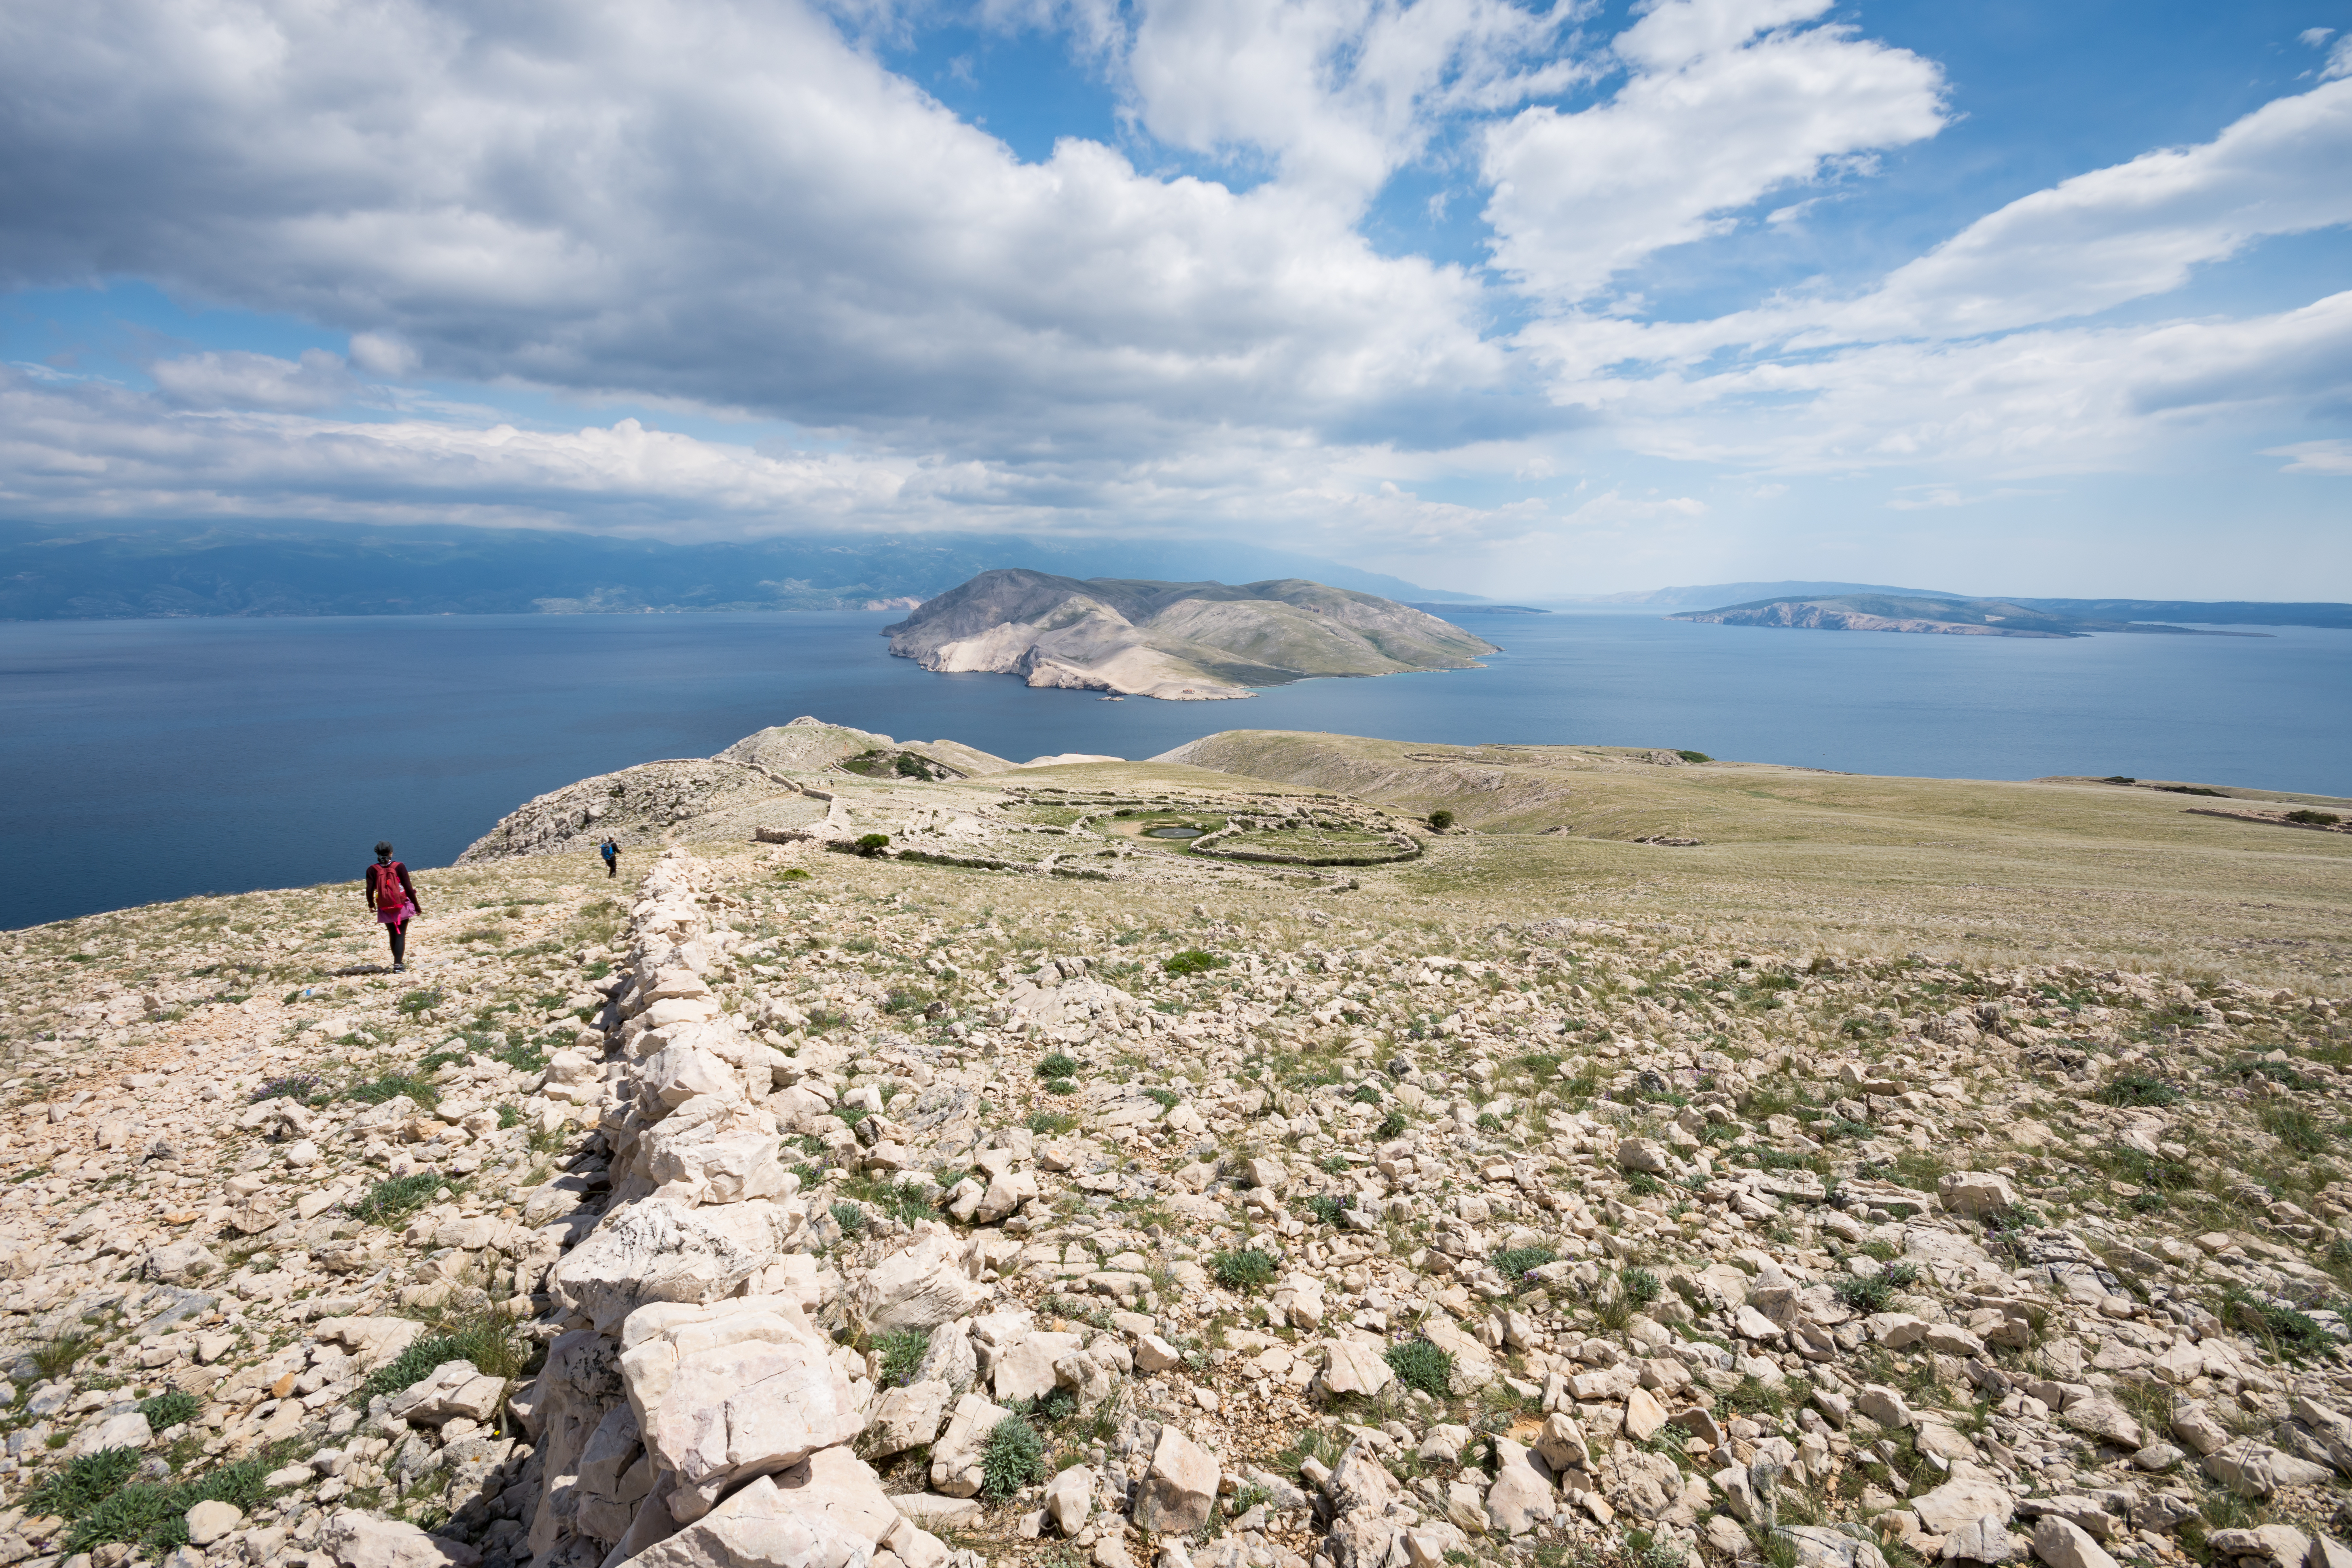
{"x":1180,"y":1488}
{"x":356,"y":1539}
{"x":1070,"y":1498}
{"x":921,"y":1286}
{"x":661,"y":1250}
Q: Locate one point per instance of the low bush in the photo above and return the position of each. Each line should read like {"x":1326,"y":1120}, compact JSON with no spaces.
{"x":2135,"y":1087}
{"x":1059,"y":1064}
{"x":1441,"y":819}
{"x":1420,"y":1365}
{"x":1514,"y":1261}
{"x":1193,"y":960}
{"x":395,"y":1198}
{"x":1248,"y":1269}
{"x":2314,"y":818}
{"x":1013,"y":1457}
{"x":902,"y":1355}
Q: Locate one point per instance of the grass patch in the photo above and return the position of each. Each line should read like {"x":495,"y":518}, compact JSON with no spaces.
{"x":1051,"y":1123}
{"x":1248,"y":1269}
{"x":395,"y":1198}
{"x":902,"y":1355}
{"x":419,"y":1002}
{"x":393,"y":1085}
{"x":173,"y":1409}
{"x":1418,"y":1364}
{"x":1193,"y":960}
{"x":1512,"y":1262}
{"x":56,"y":1357}
{"x":483,"y":1340}
{"x":2135,"y":1087}
{"x":1059,"y":1064}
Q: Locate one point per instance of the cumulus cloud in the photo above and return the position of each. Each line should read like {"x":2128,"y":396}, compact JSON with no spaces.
{"x":236,"y":379}
{"x":721,"y":204}
{"x":1728,"y":101}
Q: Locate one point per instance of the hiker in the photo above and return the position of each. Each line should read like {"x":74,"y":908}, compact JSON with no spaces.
{"x":393,"y":897}
{"x":612,"y":853}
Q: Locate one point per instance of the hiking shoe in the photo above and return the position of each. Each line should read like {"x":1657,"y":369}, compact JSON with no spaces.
{"x":400,"y":969}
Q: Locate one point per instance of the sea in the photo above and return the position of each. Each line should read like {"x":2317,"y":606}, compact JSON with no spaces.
{"x":151,"y":760}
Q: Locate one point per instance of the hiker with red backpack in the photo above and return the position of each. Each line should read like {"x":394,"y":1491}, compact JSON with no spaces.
{"x":393,"y":897}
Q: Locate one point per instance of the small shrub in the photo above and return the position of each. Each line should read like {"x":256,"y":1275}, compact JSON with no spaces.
{"x":416,"y":1002}
{"x":1864,"y":1293}
{"x":171,"y":1409}
{"x":1246,"y":1269}
{"x":1366,"y":1094}
{"x":1061,"y":1086}
{"x":902,"y":1355}
{"x":1324,"y":1207}
{"x":1013,"y":1457}
{"x":1193,"y":960}
{"x":2133,"y":1088}
{"x":391,"y":1085}
{"x":84,"y":1483}
{"x":1060,"y":1064}
{"x":1165,"y":1099}
{"x":56,"y":1357}
{"x":299,"y":1085}
{"x":1049,"y":1123}
{"x":1418,"y":1364}
{"x":1695,"y":756}
{"x":2314,"y":818}
{"x":872,"y":843}
{"x":1642,"y":1287}
{"x":1441,"y":820}
{"x":395,"y":1198}
{"x":1646,"y":1184}
{"x":2148,"y":1203}
{"x":1514,"y":1261}
{"x":1393,"y":1125}
{"x":2298,"y":1337}
{"x":849,"y":1217}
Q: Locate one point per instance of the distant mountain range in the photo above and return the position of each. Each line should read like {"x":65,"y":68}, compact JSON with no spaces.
{"x":1910,"y":613}
{"x":1751,"y":603}
{"x":97,"y":574}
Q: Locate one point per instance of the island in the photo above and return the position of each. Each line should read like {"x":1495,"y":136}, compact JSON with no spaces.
{"x":1930,"y":614}
{"x":1182,"y":642}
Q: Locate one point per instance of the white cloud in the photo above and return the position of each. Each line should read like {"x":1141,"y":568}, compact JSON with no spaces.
{"x":236,"y":379}
{"x":1728,"y":101}
{"x":721,"y":204}
{"x":1338,"y":93}
{"x":2334,"y":458}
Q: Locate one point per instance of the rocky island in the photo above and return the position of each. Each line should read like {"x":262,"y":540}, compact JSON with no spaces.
{"x":1184,"y":642}
{"x":1931,"y":614}
{"x":921,"y":1161}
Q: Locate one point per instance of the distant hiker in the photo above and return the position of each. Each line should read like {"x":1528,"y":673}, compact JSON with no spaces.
{"x":612,"y":853}
{"x":393,"y":897}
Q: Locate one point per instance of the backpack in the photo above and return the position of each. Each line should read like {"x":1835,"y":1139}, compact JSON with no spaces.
{"x":611,"y":851}
{"x":383,"y":881}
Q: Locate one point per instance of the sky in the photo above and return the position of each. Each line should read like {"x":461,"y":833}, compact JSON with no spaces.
{"x":1507,"y":298}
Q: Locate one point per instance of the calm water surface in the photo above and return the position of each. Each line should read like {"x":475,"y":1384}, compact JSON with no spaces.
{"x":151,"y":760}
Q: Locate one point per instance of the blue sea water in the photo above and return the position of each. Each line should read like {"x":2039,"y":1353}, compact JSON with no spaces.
{"x":151,"y":760}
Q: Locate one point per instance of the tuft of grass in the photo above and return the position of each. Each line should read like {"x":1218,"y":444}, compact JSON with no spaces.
{"x":1248,"y":1269}
{"x":849,"y":1217}
{"x":902,"y":1355}
{"x":2136,"y":1088}
{"x":486,"y":1340}
{"x":1642,"y":1287}
{"x":1013,"y":1457}
{"x":83,"y":1484}
{"x":1048,"y":1123}
{"x":1512,"y":1262}
{"x":1393,"y":1125}
{"x":1420,"y":1365}
{"x":392,"y":1085}
{"x":1059,"y":1064}
{"x":395,"y":1198}
{"x":56,"y":1357}
{"x":1324,"y":1207}
{"x":2295,"y":1127}
{"x":1193,"y":960}
{"x":167,"y":1410}
{"x":417,"y":1002}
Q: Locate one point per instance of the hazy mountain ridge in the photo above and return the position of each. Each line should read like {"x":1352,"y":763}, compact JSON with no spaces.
{"x":251,"y":570}
{"x":1178,"y":641}
{"x":1930,"y":616}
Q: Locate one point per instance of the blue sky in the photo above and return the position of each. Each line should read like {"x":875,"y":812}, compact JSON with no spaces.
{"x":1504,"y":298}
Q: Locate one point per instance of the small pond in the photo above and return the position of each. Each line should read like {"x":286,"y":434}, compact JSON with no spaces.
{"x":1172,"y":830}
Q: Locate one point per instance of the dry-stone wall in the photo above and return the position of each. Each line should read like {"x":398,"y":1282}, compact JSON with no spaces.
{"x":693,"y":1413}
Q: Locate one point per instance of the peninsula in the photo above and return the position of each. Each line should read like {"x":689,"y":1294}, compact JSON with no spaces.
{"x":1184,"y":642}
{"x":1931,"y":614}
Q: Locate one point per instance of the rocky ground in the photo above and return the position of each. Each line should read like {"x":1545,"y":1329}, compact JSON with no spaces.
{"x":782,"y":1205}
